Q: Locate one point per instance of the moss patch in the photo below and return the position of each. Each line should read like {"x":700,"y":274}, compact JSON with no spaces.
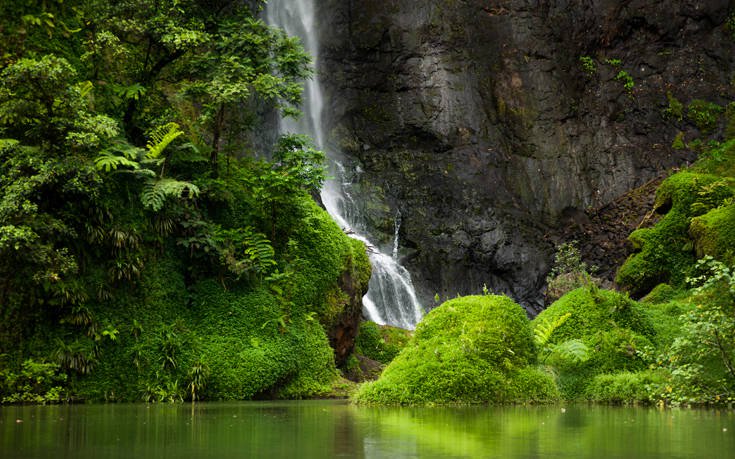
{"x":380,"y":343}
{"x":475,"y":349}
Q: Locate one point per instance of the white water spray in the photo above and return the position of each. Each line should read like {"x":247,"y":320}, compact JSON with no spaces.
{"x":391,"y":298}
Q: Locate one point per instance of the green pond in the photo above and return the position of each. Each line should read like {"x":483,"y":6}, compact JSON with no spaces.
{"x":324,"y":429}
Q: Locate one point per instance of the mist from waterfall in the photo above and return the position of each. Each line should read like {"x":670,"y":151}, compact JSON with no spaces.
{"x":391,"y":298}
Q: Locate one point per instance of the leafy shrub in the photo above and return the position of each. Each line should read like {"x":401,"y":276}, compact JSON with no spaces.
{"x":625,"y":387}
{"x":36,"y":382}
{"x":568,"y":273}
{"x":588,"y":65}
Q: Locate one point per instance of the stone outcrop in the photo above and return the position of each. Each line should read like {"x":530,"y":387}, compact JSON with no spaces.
{"x":478,"y":121}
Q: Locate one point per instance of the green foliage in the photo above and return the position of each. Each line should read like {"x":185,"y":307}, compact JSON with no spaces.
{"x":380,"y":343}
{"x":675,"y":109}
{"x":703,"y":114}
{"x":665,"y":252}
{"x":678,"y":142}
{"x":697,"y":222}
{"x":568,"y":273}
{"x":543,"y":329}
{"x":698,"y":358}
{"x":156,"y":192}
{"x":258,"y":252}
{"x":588,"y":65}
{"x":112,"y":227}
{"x":36,"y":382}
{"x":627,"y":80}
{"x":160,"y":138}
{"x":624,"y":387}
{"x":198,"y":375}
{"x":473,"y":349}
{"x":714,"y":232}
{"x":590,"y":331}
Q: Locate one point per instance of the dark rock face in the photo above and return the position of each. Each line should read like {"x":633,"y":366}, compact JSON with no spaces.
{"x":477,"y":121}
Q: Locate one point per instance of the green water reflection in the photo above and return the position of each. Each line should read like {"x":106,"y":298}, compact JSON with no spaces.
{"x":323,"y":429}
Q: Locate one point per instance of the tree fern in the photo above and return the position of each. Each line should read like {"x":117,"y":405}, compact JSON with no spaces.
{"x":160,"y":138}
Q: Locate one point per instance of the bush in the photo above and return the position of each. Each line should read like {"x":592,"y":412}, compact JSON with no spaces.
{"x":475,"y":349}
{"x":625,"y":387}
{"x":36,"y":382}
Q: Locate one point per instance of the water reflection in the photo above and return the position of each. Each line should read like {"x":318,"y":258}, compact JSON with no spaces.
{"x":323,"y":429}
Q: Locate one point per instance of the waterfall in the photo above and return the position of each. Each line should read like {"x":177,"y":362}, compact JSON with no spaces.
{"x":391,"y":298}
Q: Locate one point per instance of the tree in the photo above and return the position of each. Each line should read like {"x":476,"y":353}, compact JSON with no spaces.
{"x":297,"y":167}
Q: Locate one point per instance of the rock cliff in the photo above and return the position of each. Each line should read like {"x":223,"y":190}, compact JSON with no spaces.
{"x":493,"y":126}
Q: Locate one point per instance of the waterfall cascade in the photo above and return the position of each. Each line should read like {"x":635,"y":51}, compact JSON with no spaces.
{"x":391,"y":298}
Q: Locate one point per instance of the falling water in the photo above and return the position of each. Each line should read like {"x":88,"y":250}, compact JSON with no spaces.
{"x":391,"y":298}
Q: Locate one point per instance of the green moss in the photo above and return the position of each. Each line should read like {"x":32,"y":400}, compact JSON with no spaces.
{"x":610,"y":324}
{"x":660,"y":294}
{"x":474,"y":349}
{"x":380,"y":343}
{"x":678,"y":143}
{"x":714,"y":234}
{"x":703,"y":114}
{"x":665,"y":252}
{"x":624,"y":387}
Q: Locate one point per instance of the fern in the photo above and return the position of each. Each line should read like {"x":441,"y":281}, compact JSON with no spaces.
{"x":573,"y":350}
{"x":109,"y":161}
{"x":258,"y":251}
{"x":119,"y":154}
{"x":160,"y":138}
{"x":543,"y":331}
{"x":156,"y":192}
{"x":132,"y":92}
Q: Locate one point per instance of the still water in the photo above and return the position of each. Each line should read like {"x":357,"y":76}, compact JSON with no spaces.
{"x":326,"y":429}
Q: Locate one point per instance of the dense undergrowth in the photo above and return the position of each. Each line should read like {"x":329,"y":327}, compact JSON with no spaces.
{"x":148,"y":251}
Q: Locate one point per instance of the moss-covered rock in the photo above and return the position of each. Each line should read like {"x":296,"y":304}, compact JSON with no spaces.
{"x":699,"y":220}
{"x":476,"y":349}
{"x":612,"y":326}
{"x":171,"y":338}
{"x":665,"y":252}
{"x":381,"y":343}
{"x":714,"y":234}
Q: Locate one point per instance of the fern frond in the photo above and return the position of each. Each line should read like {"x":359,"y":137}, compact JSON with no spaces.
{"x":543,"y":330}
{"x":572,"y":350}
{"x":156,"y":192}
{"x":109,"y":161}
{"x":259,"y":251}
{"x":161,"y":137}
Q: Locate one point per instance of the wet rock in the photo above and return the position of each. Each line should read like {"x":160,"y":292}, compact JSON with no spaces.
{"x":482,"y":122}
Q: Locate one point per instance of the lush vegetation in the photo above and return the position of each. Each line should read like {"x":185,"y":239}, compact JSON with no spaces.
{"x":147,"y":250}
{"x":676,"y":346}
{"x":476,"y":349}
